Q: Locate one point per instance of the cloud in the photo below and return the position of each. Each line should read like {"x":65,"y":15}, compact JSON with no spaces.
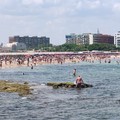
{"x":94,"y":4}
{"x":116,"y":7}
{"x":31,"y":2}
{"x":51,"y":8}
{"x":55,"y":18}
{"x":79,"y":5}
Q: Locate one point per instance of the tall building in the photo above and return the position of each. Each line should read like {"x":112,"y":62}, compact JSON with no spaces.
{"x":117,"y":39}
{"x":85,"y":38}
{"x":31,"y":42}
{"x":89,"y":38}
{"x":74,"y":39}
{"x":101,"y":38}
{"x":71,"y":39}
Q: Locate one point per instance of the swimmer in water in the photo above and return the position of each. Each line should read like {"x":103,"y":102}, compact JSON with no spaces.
{"x":74,"y":72}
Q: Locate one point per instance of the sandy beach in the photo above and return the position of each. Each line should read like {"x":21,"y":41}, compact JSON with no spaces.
{"x":11,"y":60}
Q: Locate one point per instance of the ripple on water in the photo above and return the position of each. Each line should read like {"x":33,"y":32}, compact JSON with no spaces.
{"x":101,"y":102}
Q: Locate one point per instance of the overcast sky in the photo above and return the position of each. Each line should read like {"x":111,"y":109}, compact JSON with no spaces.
{"x":56,"y":18}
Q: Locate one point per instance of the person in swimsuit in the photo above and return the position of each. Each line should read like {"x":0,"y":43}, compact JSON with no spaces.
{"x":79,"y":81}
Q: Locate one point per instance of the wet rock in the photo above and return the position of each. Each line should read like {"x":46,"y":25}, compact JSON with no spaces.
{"x":21,"y":89}
{"x":67,"y":85}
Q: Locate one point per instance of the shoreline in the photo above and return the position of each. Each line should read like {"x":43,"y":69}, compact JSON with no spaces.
{"x":30,"y":60}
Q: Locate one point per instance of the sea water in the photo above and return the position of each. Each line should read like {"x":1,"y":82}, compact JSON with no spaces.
{"x":101,"y":102}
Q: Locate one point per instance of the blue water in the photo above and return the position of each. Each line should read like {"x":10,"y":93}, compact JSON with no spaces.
{"x":101,"y":102}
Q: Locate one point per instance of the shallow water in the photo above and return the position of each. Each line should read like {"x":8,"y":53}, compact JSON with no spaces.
{"x":101,"y":102}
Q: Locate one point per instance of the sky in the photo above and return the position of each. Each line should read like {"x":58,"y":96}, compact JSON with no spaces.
{"x":57,"y":18}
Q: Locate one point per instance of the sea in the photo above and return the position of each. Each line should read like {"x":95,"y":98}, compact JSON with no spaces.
{"x":100,"y":102}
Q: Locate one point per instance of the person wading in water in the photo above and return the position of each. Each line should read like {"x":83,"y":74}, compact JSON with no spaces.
{"x":74,"y":72}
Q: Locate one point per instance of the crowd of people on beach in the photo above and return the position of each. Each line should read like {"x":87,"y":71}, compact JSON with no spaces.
{"x":33,"y":60}
{"x":9,"y":61}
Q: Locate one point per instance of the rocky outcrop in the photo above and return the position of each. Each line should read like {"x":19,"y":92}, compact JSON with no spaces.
{"x":21,"y":89}
{"x":67,"y":85}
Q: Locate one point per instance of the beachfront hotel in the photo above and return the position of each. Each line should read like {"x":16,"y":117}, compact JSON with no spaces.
{"x":31,"y":42}
{"x":89,"y":38}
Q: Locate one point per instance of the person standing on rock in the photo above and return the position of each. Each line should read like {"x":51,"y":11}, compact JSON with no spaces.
{"x":79,"y":81}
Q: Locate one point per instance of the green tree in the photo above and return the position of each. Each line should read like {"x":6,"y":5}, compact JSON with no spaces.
{"x":101,"y":47}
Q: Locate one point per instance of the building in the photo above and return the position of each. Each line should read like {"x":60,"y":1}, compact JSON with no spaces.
{"x":74,"y":39}
{"x":15,"y":46}
{"x":89,"y":38}
{"x":31,"y":42}
{"x":71,"y":39}
{"x":79,"y":40}
{"x":85,"y":38}
{"x":101,"y":38}
{"x":117,"y":39}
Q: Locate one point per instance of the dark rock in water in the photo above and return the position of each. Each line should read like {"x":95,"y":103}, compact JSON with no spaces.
{"x":21,"y":89}
{"x":56,"y":85}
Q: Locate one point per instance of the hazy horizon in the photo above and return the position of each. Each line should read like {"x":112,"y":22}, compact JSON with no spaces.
{"x":57,"y":18}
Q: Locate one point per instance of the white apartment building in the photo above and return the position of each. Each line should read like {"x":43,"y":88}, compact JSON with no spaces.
{"x":87,"y":38}
{"x":15,"y":46}
{"x":117,"y":39}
